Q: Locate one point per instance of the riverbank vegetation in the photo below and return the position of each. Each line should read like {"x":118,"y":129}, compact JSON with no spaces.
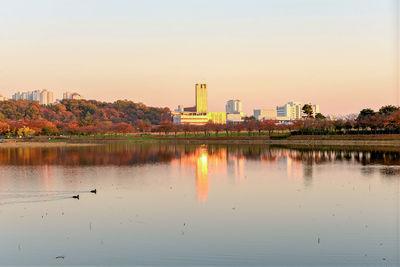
{"x":121,"y":118}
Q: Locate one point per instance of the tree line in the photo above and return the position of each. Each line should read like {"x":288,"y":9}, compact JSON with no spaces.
{"x":24,"y":118}
{"x":385,"y":120}
{"x":90,"y":117}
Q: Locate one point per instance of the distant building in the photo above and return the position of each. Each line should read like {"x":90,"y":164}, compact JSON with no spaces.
{"x":201,"y":98}
{"x":68,"y":95}
{"x":234,"y":112}
{"x":233,"y":107}
{"x":191,"y":118}
{"x":234,"y":118}
{"x":2,"y":98}
{"x":198,"y":114}
{"x":315,"y":109}
{"x":294,"y":110}
{"x":291,"y":110}
{"x":44,"y":97}
{"x":217,"y":117}
{"x":265,"y":114}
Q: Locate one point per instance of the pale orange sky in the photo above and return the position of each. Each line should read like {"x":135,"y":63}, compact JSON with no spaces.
{"x":339,"y":54}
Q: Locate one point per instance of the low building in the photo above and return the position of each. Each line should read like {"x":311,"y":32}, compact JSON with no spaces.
{"x":68,"y":95}
{"x":217,"y":117}
{"x":190,"y":118}
{"x":265,"y":114}
{"x":234,"y":118}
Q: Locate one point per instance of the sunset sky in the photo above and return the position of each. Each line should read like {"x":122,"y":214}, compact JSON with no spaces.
{"x":340,"y":54}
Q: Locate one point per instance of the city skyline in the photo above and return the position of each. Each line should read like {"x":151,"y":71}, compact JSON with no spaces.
{"x":262,"y":52}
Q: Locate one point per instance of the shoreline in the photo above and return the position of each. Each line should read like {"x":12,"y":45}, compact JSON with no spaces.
{"x":392,"y":143}
{"x":41,"y":144}
{"x":306,"y":141}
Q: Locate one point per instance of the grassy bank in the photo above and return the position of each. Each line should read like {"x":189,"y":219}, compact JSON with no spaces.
{"x":240,"y":138}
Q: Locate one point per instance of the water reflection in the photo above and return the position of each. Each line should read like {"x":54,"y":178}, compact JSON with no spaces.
{"x":192,"y":205}
{"x":126,"y":154}
{"x":201,"y":160}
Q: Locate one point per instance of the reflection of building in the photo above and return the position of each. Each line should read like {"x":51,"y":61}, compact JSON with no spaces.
{"x":202,"y":183}
{"x":198,"y":115}
{"x":294,"y":168}
{"x":202,"y":162}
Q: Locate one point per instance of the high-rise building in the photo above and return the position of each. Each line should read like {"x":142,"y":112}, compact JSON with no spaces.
{"x":315,"y":109}
{"x":294,"y":110}
{"x":233,"y":107}
{"x":198,"y":114}
{"x":291,"y":110}
{"x":44,"y":97}
{"x":201,"y":98}
{"x":234,"y":112}
{"x":2,"y":98}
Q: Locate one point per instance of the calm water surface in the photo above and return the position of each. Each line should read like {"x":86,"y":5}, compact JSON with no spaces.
{"x":198,"y":205}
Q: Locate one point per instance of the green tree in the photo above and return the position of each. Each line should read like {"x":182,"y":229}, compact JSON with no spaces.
{"x":307,"y":109}
{"x":366,"y":112}
{"x":388,"y":110}
{"x":319,"y":116}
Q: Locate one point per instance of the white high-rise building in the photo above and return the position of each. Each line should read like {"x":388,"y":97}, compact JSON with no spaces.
{"x":291,"y":110}
{"x":44,"y":97}
{"x":315,"y":109}
{"x":2,"y":98}
{"x":233,"y":107}
{"x":294,"y":110}
{"x":234,"y":112}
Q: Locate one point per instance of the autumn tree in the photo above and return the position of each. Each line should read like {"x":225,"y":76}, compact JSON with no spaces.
{"x":269,"y":126}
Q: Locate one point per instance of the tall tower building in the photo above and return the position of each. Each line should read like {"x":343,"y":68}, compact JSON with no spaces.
{"x":233,"y":107}
{"x":201,"y":98}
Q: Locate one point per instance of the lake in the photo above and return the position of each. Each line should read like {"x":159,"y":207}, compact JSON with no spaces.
{"x":199,"y":205}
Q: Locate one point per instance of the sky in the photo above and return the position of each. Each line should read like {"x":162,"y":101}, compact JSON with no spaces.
{"x":340,"y":54}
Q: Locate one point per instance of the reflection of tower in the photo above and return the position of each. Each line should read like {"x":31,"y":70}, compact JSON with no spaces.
{"x":201,"y":98}
{"x":239,"y":167}
{"x":202,"y":176}
{"x":293,"y":168}
{"x":308,"y":172}
{"x":48,"y":177}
